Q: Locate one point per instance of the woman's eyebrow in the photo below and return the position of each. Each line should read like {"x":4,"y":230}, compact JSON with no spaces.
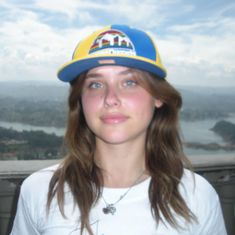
{"x":93,"y":75}
{"x":98,"y":75}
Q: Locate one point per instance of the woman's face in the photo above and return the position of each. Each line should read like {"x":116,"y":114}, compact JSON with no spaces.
{"x":116,"y":108}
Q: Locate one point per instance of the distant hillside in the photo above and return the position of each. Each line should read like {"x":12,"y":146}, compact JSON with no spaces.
{"x":208,"y":99}
{"x":34,"y":90}
{"x":34,"y":112}
{"x":226,"y":130}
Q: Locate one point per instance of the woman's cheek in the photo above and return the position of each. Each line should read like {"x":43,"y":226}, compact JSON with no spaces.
{"x":90,"y":102}
{"x":136,"y":99}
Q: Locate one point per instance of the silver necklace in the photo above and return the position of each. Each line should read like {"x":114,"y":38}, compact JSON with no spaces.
{"x":110,"y":207}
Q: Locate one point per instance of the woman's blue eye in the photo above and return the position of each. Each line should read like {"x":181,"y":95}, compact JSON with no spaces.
{"x":95,"y":85}
{"x":130,"y":83}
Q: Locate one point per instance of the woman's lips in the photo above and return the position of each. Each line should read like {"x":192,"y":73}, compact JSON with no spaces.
{"x":113,"y":118}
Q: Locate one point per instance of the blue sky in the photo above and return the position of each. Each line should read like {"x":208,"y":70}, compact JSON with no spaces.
{"x":196,"y":39}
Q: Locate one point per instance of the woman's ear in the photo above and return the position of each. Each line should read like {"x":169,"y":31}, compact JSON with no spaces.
{"x":158,"y":103}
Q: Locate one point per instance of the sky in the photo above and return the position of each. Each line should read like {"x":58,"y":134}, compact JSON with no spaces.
{"x":196,"y":38}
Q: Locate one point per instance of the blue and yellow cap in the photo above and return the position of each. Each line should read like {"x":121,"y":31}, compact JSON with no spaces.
{"x":114,"y":45}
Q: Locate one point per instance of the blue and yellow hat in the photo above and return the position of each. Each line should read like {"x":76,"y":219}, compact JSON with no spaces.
{"x":114,"y":45}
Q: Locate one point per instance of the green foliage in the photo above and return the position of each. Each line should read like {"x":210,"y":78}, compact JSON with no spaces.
{"x":29,"y":145}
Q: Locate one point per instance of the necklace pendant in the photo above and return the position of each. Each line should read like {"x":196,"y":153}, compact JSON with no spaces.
{"x":109,"y":209}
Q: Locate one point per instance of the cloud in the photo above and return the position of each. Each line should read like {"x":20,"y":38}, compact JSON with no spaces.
{"x":68,"y":8}
{"x":148,"y":14}
{"x":201,"y":52}
{"x":33,"y":49}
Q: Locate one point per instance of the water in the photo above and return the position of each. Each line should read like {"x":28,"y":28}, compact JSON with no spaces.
{"x":196,"y":131}
{"x":199,"y":131}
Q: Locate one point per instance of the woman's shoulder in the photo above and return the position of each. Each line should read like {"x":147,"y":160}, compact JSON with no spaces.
{"x":197,"y":191}
{"x":203,"y":200}
{"x":38,"y":182}
{"x":196,"y":183}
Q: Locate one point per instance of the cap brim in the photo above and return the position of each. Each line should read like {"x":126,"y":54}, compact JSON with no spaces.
{"x":72,"y":70}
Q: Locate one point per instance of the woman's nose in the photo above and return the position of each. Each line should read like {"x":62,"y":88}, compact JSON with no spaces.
{"x":111,"y":98}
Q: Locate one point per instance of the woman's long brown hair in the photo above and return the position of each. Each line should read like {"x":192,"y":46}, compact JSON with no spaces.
{"x":165,"y":160}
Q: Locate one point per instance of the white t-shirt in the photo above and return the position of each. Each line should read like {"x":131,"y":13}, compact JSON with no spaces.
{"x":133,"y":215}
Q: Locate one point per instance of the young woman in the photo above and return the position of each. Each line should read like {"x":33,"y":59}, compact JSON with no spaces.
{"x":125,"y":172}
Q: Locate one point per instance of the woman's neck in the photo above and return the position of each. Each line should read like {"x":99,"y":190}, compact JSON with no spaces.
{"x":121,"y":165}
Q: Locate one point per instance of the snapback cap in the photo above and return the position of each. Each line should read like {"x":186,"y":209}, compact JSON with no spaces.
{"x":114,"y":45}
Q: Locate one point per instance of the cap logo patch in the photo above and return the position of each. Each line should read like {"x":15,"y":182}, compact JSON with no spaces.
{"x":112,"y":42}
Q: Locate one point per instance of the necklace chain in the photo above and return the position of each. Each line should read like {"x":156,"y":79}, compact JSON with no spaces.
{"x":110,"y":207}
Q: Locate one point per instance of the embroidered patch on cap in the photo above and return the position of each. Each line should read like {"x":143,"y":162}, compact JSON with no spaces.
{"x":112,"y":42}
